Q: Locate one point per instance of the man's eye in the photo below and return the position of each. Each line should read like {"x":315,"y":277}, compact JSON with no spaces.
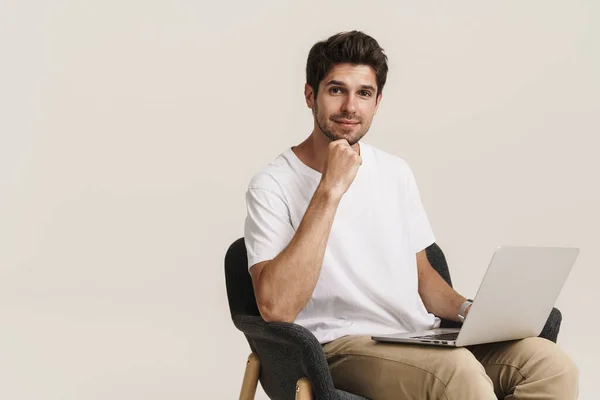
{"x":365,"y":93}
{"x":335,"y":90}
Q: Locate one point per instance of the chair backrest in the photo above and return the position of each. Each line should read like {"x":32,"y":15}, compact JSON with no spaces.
{"x":240,"y":291}
{"x":436,"y":258}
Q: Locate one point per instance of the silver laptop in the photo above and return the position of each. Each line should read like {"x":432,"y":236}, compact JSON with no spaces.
{"x":514,"y":299}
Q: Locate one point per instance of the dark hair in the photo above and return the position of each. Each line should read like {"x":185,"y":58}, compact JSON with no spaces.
{"x":353,"y":47}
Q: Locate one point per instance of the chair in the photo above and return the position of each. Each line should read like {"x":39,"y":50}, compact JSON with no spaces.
{"x":287,"y":358}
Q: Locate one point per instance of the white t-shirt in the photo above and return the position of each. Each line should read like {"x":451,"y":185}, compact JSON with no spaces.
{"x":368,"y":283}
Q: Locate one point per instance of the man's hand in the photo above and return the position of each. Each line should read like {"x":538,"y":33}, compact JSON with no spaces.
{"x":341,"y":167}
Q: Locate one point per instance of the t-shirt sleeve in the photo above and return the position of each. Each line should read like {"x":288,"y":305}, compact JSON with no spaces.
{"x":421,"y":234}
{"x":268,"y":229}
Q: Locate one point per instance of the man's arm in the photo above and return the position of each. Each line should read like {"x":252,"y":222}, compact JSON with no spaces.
{"x":439,"y":298}
{"x":284,"y":284}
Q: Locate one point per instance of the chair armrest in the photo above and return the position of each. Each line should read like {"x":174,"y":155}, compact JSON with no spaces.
{"x":552,"y":327}
{"x":287,"y":352}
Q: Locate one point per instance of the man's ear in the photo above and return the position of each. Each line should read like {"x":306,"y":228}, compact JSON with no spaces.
{"x":309,"y":95}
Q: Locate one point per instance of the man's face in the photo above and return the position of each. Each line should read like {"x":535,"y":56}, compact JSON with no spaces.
{"x":346,"y":102}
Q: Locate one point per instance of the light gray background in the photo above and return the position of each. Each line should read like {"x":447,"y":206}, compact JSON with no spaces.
{"x":130,"y":129}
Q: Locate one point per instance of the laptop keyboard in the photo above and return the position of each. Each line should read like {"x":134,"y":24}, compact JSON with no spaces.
{"x":438,"y":336}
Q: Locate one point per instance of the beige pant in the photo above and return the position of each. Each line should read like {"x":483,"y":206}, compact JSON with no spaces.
{"x":528,"y":369}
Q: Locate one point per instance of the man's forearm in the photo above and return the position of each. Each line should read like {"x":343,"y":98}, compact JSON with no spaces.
{"x":438,"y":297}
{"x":289,"y":280}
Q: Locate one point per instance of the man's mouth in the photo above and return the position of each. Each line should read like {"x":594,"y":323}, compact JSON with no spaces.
{"x":347,"y":122}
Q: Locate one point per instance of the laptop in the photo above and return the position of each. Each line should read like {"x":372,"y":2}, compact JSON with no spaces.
{"x":513,"y":302}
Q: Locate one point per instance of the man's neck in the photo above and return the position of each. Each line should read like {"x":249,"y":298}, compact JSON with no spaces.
{"x":313,"y":150}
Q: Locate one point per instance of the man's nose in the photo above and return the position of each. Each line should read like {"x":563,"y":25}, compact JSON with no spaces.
{"x":349,"y":104}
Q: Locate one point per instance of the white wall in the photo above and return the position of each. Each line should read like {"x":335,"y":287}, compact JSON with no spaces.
{"x":129,"y":131}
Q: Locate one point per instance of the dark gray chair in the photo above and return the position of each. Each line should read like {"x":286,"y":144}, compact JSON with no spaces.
{"x":286,"y":358}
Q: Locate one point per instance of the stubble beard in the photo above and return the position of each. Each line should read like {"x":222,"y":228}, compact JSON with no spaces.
{"x":327,"y":128}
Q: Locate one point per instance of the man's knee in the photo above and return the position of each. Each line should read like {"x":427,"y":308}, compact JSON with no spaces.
{"x":548,"y":361}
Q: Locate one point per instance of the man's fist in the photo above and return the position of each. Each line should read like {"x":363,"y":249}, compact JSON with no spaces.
{"x":341,"y":166}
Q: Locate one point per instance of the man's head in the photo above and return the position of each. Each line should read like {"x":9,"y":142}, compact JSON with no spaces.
{"x":345,"y":76}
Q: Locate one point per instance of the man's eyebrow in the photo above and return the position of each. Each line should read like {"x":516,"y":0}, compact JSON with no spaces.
{"x":340,"y":83}
{"x":334,"y":82}
{"x":369,"y":87}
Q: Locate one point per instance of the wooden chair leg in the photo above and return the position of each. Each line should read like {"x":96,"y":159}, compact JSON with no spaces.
{"x":250,"y":378}
{"x":303,"y":389}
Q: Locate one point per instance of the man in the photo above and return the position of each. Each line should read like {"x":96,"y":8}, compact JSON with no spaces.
{"x":336,"y":237}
